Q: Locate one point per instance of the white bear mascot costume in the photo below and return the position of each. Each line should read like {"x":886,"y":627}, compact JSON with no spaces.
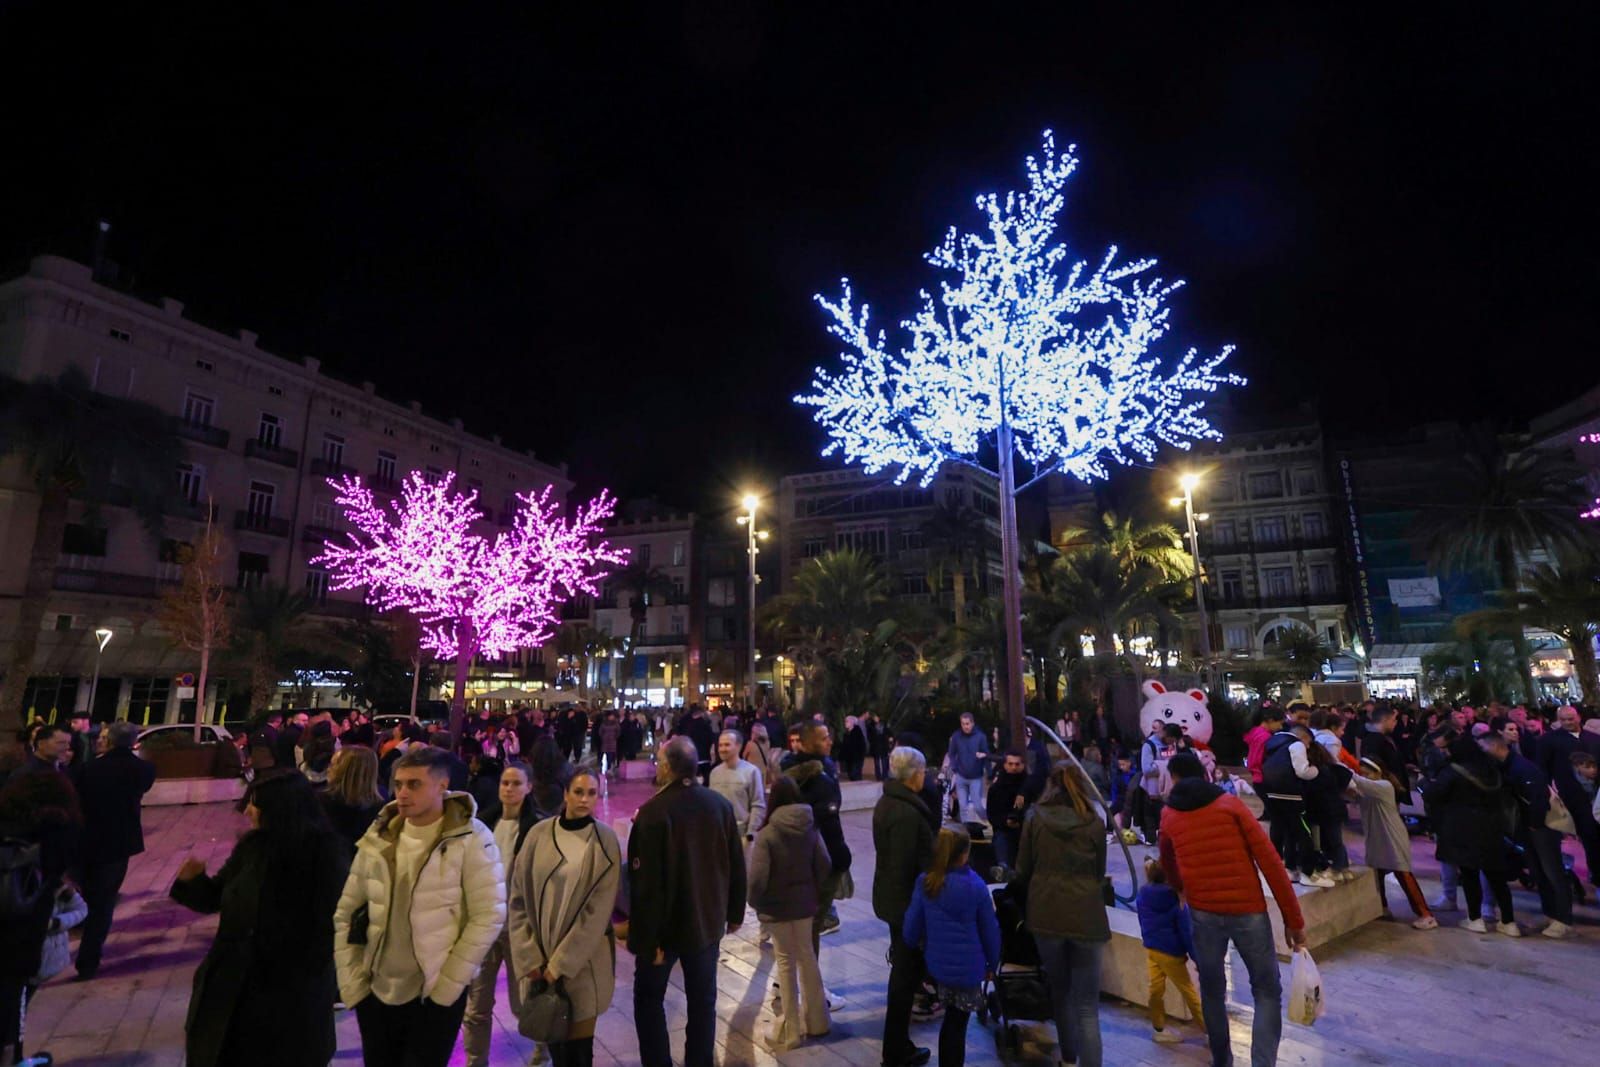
{"x":1187,"y":709}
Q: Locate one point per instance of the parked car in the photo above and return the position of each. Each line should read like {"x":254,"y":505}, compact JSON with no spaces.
{"x":176,"y":754}
{"x":165,"y":733}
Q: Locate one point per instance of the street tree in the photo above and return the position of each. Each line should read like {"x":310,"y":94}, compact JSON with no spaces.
{"x":471,"y":594}
{"x":195,"y":613}
{"x":1023,"y":356}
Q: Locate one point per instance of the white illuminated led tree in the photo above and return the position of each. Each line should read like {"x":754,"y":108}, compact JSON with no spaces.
{"x":1047,"y":360}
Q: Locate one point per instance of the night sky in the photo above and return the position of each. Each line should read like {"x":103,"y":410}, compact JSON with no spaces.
{"x":598,"y":233}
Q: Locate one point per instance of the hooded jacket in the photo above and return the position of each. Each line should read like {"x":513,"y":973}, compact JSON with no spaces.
{"x":958,"y":931}
{"x":1283,"y":769}
{"x":1062,"y":863}
{"x":458,"y":904}
{"x":902,"y":844}
{"x":1212,"y":849}
{"x":1468,"y":802}
{"x":787,"y":865}
{"x":1164,"y":921}
{"x":821,"y":790}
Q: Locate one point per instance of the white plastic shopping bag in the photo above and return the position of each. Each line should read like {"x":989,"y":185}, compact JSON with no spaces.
{"x":1305,"y":989}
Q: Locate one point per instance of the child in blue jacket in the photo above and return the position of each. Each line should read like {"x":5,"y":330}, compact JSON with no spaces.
{"x":1168,"y":945}
{"x":952,"y":920}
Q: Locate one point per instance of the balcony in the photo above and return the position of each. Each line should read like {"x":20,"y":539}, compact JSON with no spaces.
{"x":384,"y":484}
{"x":257,"y":523}
{"x":312,"y":534}
{"x":194,"y":511}
{"x":203,"y":434}
{"x":327,"y":468}
{"x":663,"y":641}
{"x":341,"y":609}
{"x":92,"y":581}
{"x":283,"y":457}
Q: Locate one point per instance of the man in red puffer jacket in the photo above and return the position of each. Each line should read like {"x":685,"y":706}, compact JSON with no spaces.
{"x":1212,"y":849}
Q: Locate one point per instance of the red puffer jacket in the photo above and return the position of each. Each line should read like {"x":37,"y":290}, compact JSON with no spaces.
{"x":1211,"y":847}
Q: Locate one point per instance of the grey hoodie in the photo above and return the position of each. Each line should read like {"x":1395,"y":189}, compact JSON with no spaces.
{"x":787,"y":865}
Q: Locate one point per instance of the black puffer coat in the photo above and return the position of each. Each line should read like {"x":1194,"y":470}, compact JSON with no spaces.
{"x":1469,"y":805}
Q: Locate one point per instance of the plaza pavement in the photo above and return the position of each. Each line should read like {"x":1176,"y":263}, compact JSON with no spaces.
{"x":1395,"y":995}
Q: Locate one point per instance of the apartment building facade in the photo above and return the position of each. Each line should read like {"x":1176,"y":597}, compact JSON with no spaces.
{"x":262,"y":435}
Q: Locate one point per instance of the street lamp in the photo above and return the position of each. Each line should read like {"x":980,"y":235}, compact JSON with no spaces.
{"x":1187,"y":482}
{"x":103,"y":638}
{"x":748,"y":521}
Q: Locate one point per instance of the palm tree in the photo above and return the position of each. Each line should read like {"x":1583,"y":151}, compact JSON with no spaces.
{"x":1500,"y":506}
{"x":832,"y":622}
{"x":1134,"y":542}
{"x":1107,"y":601}
{"x":1302,"y":653}
{"x":76,"y":444}
{"x":958,"y":541}
{"x":268,"y":621}
{"x":1563,"y":599}
{"x":1478,"y":666}
{"x":643,"y":583}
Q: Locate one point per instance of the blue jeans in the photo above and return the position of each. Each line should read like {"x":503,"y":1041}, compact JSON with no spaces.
{"x":969,"y":791}
{"x":1252,"y":936}
{"x":650,"y":1010}
{"x":1073,"y":968}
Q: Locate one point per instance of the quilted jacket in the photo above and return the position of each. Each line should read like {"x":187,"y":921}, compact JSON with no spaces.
{"x":458,"y":905}
{"x":1211,"y":847}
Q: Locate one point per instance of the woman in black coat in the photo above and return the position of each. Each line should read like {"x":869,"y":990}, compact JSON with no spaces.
{"x":265,"y":992}
{"x":1470,"y":807}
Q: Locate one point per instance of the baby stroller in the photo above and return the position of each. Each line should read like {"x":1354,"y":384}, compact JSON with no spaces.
{"x":1019,"y":991}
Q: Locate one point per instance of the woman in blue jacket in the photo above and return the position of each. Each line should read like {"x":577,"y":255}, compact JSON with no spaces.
{"x":952,"y":921}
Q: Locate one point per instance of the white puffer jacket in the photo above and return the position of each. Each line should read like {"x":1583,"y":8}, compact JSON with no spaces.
{"x":458,"y":905}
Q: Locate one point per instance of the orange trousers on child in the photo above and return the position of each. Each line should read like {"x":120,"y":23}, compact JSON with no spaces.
{"x":1174,"y":969}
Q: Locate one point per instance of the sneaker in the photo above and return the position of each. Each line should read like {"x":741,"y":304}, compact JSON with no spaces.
{"x":1321,"y":881}
{"x":918,"y":1056}
{"x":1442,"y":903}
{"x":1556,"y":929}
{"x":776,"y":1003}
{"x":1509,"y":929}
{"x":926,"y":1006}
{"x":829,"y":925}
{"x":1165,"y":1037}
{"x":1474,"y":925}
{"x":833,"y":1001}
{"x":1427,"y":922}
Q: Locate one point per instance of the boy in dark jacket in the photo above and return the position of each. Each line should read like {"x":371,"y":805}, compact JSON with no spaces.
{"x":1168,"y":943}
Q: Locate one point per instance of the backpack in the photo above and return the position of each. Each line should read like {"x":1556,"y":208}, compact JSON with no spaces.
{"x":21,"y":879}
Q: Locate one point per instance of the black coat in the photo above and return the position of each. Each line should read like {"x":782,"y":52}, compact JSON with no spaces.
{"x":1467,"y":803}
{"x":903,"y":842}
{"x":686,"y":875}
{"x":264,"y":993}
{"x":1555,"y":760}
{"x":111,"y":790}
{"x":819,"y":786}
{"x":349,"y":822}
{"x":1381,"y":749}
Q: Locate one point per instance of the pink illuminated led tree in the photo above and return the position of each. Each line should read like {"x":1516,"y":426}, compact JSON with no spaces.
{"x":1592,"y":439}
{"x":470,"y":594}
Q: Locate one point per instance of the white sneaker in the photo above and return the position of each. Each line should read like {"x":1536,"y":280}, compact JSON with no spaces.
{"x":834,"y":1002}
{"x":1556,"y":929}
{"x":1165,"y":1037}
{"x":1321,"y":881}
{"x":1509,"y":929}
{"x":777,"y":1002}
{"x":1427,"y":922}
{"x":1475,"y":925}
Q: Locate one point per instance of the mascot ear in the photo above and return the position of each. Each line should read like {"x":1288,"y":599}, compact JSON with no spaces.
{"x":1152,"y":689}
{"x":1198,"y":694}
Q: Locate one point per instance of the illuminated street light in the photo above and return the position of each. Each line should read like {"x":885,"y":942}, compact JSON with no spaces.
{"x":103,"y":637}
{"x":751,"y":501}
{"x":1188,"y":481}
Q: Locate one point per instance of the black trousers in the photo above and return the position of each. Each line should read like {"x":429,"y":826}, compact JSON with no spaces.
{"x":100,"y":883}
{"x":905,"y":978}
{"x":417,"y":1034}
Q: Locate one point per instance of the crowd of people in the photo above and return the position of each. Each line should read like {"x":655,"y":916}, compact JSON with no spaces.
{"x":399,"y":873}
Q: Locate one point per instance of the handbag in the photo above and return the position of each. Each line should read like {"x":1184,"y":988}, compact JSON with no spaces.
{"x":546,"y":1013}
{"x":1559,"y":817}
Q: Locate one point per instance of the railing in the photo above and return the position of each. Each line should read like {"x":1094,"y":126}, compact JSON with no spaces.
{"x":313,"y":534}
{"x":201,"y":512}
{"x":258,"y":523}
{"x":284,"y":457}
{"x":384,"y":483}
{"x":661,"y":640}
{"x":82,"y":581}
{"x":327,"y":468}
{"x":204,"y":434}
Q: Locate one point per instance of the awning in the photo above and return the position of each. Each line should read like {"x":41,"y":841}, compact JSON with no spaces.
{"x":1398,"y":661}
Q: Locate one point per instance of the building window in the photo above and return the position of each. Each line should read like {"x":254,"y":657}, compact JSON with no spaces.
{"x":1277,"y":581}
{"x":274,"y":390}
{"x":198,"y":408}
{"x":642,"y":554}
{"x":912,"y":539}
{"x":986,"y":505}
{"x":169,"y":561}
{"x":337,"y":413}
{"x":259,"y":503}
{"x":954,"y":496}
{"x":677,"y":590}
{"x":205,"y":365}
{"x":1321,"y":576}
{"x":1272,"y":530}
{"x":317,"y":585}
{"x":1311,"y":527}
{"x":1305,"y":482}
{"x":434,"y":475}
{"x":387,"y":465}
{"x":1236,"y":638}
{"x":677,"y":624}
{"x":717,"y":628}
{"x":333,"y":450}
{"x":1223,"y":532}
{"x":1265,"y":485}
{"x":270,"y":432}
{"x":1232,"y":586}
{"x":913,"y":584}
{"x":720,"y":592}
{"x":677,"y":553}
{"x":324,"y":513}
{"x":82,"y":547}
{"x":812,"y":547}
{"x":871,"y":542}
{"x":191,"y":483}
{"x":1221,"y":489}
{"x":252,"y":569}
{"x":120,"y":335}
{"x":1330,"y":636}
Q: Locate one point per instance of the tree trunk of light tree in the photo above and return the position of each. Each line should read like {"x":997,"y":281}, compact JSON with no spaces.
{"x":1011,"y":583}
{"x":466,"y":648}
{"x":416,"y":681}
{"x":200,"y":688}
{"x":48,"y":527}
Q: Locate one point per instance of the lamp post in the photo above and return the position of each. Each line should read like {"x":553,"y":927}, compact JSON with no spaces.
{"x":1188,"y":482}
{"x":103,"y":638}
{"x":748,"y":521}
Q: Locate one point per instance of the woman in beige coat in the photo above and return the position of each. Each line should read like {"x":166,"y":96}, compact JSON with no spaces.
{"x":559,"y":913}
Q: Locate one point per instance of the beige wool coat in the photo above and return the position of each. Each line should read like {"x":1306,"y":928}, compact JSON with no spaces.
{"x":578,"y":939}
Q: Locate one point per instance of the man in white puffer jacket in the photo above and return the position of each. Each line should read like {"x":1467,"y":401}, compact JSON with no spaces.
{"x":427,"y":858}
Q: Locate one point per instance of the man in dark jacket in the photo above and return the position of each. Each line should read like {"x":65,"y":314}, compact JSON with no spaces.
{"x":1555,"y":760}
{"x":812,"y":770}
{"x":1009,"y":796}
{"x":903,"y":843}
{"x":1379,"y":746}
{"x":686,"y":887}
{"x":111,"y":790}
{"x":1542,"y":845}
